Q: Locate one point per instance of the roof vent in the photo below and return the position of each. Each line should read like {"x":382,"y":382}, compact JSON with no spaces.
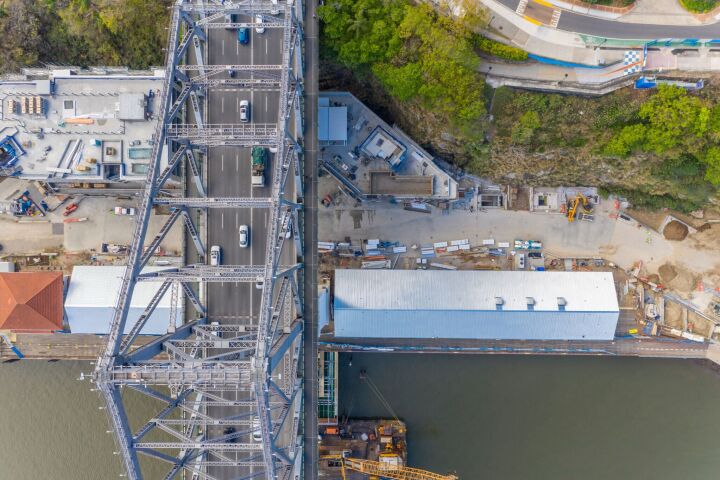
{"x":499,"y":302}
{"x":561,"y":303}
{"x":530,"y":303}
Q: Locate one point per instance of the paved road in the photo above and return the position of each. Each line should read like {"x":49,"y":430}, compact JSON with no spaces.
{"x":228,"y":175}
{"x":575,"y":22}
{"x":310,"y":387}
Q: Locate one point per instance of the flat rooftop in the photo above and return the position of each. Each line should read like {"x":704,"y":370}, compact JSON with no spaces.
{"x":81,"y":126}
{"x":373,"y":146}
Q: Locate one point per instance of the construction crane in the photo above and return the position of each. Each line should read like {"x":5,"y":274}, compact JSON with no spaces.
{"x":575,"y":203}
{"x":385,"y":470}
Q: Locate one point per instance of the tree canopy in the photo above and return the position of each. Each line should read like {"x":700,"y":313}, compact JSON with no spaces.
{"x":83,"y":32}
{"x":414,"y":52}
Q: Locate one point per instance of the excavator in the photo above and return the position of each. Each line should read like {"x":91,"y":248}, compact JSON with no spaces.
{"x":575,"y":203}
{"x":376,"y":470}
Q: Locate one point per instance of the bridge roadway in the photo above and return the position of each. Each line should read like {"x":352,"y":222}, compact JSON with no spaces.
{"x":631,"y":346}
{"x":228,"y":175}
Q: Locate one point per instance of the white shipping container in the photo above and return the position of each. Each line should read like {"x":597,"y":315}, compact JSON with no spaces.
{"x":464,"y":247}
{"x":453,"y":248}
{"x":400,"y":249}
{"x":460,"y":242}
{"x":489,"y":241}
{"x":503,"y":244}
{"x":440,"y":244}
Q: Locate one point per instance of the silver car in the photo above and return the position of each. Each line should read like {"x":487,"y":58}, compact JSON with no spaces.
{"x":244,"y":111}
{"x":244,"y":232}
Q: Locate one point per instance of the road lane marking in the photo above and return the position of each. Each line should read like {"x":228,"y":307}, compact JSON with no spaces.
{"x":237,"y":104}
{"x":223,"y":47}
{"x":266,"y":46}
{"x":544,"y":3}
{"x":222,"y":103}
{"x":222,"y":162}
{"x":521,"y":7}
{"x":266,"y":219}
{"x":555,"y":18}
{"x":532,"y":20}
{"x":236,"y":222}
{"x":266,"y":103}
{"x":237,"y":48}
{"x":222,"y":220}
{"x":237,"y":162}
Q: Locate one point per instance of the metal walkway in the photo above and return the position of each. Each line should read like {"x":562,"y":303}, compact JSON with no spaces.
{"x":227,"y":394}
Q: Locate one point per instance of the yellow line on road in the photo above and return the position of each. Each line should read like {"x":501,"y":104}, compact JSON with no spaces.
{"x":532,"y":20}
{"x":543,"y":2}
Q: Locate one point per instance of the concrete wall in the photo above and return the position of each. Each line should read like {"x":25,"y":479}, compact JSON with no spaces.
{"x":97,"y":319}
{"x":505,"y":325}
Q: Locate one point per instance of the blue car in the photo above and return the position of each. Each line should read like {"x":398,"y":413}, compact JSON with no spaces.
{"x":244,"y":35}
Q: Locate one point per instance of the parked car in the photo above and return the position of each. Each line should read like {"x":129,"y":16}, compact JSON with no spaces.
{"x":244,"y":111}
{"x":124,"y":211}
{"x":244,"y":233}
{"x":244,"y":35}
{"x":231,"y":73}
{"x":521,"y":261}
{"x":215,"y":330}
{"x":215,"y":255}
{"x":259,"y":20}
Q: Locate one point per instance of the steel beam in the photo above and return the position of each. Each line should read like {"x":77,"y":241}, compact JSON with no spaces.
{"x":247,"y":202}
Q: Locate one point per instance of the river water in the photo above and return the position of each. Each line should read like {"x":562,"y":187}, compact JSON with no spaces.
{"x":51,"y":426}
{"x":484,"y":417}
{"x":545,"y":418}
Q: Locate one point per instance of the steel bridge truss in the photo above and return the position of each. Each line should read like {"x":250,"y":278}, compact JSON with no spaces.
{"x":228,"y":403}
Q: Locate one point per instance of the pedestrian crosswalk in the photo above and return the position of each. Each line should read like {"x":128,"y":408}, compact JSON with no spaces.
{"x":521,"y":7}
{"x":555,"y":18}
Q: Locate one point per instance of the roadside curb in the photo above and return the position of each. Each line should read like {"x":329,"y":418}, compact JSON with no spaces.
{"x":610,"y":13}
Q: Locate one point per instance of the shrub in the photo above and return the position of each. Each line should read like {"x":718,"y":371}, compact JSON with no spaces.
{"x":500,"y":50}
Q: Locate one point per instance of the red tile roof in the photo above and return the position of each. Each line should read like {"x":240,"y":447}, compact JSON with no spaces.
{"x":31,"y":302}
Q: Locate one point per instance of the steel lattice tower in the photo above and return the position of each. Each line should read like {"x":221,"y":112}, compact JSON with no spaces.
{"x":211,"y":376}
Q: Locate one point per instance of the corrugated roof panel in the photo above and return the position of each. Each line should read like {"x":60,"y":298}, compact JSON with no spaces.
{"x":474,"y":290}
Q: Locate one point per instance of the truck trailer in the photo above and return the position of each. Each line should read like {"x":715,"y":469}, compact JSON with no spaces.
{"x":259,"y":161}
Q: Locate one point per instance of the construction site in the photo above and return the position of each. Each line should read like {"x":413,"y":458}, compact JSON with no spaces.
{"x":664,"y":266}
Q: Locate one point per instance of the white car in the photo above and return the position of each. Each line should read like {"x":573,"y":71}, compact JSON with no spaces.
{"x":259,"y":19}
{"x":257,"y":431}
{"x":521,"y":261}
{"x":244,"y":111}
{"x":244,"y":233}
{"x":259,"y":282}
{"x":214,"y":256}
{"x":276,"y":10}
{"x":124,"y":211}
{"x":216,"y":328}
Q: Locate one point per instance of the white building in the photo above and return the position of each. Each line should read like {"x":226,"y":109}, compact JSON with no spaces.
{"x":92,"y":295}
{"x":73,"y":125}
{"x":508,"y":305}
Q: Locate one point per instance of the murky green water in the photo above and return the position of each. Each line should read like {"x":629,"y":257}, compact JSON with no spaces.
{"x":51,"y":426}
{"x":483,"y":417}
{"x":546,"y":418}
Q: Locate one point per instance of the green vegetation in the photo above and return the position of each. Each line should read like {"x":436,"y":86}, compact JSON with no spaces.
{"x":500,"y":50}
{"x":419,"y":57}
{"x":659,"y":149}
{"x":699,"y":6}
{"x":82,"y":32}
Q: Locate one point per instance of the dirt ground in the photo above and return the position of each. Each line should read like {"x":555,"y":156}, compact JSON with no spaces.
{"x":675,"y":231}
{"x":674,"y":315}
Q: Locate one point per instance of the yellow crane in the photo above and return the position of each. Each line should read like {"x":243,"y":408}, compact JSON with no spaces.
{"x":574,"y":206}
{"x":385,"y":470}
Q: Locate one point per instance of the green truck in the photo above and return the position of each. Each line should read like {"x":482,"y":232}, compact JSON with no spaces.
{"x":259,"y":162}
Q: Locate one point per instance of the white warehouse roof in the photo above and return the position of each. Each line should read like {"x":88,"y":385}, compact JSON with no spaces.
{"x":92,"y":294}
{"x":475,"y":304}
